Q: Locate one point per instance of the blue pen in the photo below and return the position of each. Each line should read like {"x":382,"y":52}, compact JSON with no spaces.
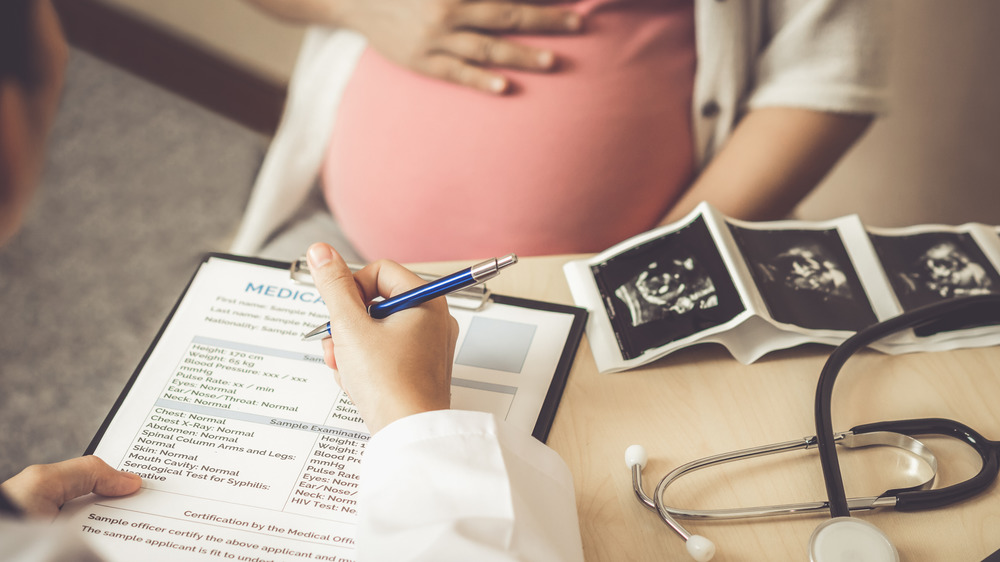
{"x":443,"y":286}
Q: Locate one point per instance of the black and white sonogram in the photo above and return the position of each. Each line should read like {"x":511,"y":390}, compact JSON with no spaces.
{"x":934,"y":266}
{"x":667,"y":289}
{"x":806,"y":278}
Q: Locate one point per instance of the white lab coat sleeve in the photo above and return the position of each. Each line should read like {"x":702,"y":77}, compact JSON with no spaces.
{"x":457,"y":485}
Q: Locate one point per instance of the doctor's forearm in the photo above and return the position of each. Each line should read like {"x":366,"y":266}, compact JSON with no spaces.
{"x":774,"y":158}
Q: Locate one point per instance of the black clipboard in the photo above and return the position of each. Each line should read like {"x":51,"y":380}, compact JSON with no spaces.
{"x":546,"y":415}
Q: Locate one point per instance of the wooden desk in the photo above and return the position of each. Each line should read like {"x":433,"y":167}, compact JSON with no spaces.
{"x":700,"y":401}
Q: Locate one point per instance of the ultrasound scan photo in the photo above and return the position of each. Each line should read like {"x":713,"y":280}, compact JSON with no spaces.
{"x":806,"y":277}
{"x":807,"y":268}
{"x":667,"y":289}
{"x":931,"y":267}
{"x":934,"y":266}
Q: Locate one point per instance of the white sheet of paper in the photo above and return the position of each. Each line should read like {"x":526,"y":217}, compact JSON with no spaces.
{"x":248,"y":448}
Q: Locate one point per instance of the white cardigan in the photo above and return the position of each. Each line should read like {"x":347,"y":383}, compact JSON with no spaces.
{"x":827,"y":55}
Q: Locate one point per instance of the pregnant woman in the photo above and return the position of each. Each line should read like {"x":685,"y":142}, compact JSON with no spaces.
{"x":457,"y":129}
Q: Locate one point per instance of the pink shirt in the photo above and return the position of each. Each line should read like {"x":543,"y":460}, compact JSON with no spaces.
{"x":574,"y":161}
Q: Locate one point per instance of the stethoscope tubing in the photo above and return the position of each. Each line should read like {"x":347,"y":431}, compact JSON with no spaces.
{"x":920,"y":500}
{"x":976,"y":310}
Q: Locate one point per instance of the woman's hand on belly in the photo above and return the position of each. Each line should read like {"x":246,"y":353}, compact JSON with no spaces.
{"x":456,"y":40}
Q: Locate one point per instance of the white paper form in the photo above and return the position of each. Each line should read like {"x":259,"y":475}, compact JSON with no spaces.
{"x":248,"y":448}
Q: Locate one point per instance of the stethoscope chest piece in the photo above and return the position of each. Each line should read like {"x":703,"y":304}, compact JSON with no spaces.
{"x":847,"y":539}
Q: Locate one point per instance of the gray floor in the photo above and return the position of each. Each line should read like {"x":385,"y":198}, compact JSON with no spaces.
{"x":139,"y":183}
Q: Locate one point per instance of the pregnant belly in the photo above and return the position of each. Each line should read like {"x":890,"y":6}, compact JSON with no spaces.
{"x":573,"y":161}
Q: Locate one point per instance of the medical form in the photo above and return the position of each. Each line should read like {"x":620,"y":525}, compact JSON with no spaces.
{"x":247,"y":447}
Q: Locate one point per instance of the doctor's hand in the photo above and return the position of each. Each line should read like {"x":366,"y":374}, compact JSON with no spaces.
{"x":390,"y":368}
{"x":452,"y":40}
{"x":41,"y":489}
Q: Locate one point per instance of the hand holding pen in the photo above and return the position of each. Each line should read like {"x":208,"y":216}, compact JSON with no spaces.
{"x":388,"y":369}
{"x":448,"y":284}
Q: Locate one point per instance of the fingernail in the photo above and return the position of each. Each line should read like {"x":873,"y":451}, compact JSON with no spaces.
{"x":545,"y":59}
{"x":319,"y":255}
{"x":572,"y":22}
{"x":498,"y":85}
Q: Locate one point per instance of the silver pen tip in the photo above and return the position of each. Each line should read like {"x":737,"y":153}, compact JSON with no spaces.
{"x":318,"y":333}
{"x":509,"y":259}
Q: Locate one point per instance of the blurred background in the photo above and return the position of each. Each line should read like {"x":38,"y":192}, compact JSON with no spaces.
{"x":168,"y":110}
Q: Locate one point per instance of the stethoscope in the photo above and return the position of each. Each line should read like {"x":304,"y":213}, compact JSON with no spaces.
{"x":842,"y":537}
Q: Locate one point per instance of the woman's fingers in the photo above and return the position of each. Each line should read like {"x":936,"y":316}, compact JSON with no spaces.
{"x":487,"y":50}
{"x":456,"y":70}
{"x":466,"y":55}
{"x":464,"y":41}
{"x":509,"y":17}
{"x":467,"y":58}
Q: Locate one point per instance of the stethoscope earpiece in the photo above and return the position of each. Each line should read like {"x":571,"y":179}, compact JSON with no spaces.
{"x":636,"y":455}
{"x":847,"y":538}
{"x":700,"y":548}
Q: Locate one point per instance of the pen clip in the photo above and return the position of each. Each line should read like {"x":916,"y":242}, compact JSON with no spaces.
{"x":471,"y":298}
